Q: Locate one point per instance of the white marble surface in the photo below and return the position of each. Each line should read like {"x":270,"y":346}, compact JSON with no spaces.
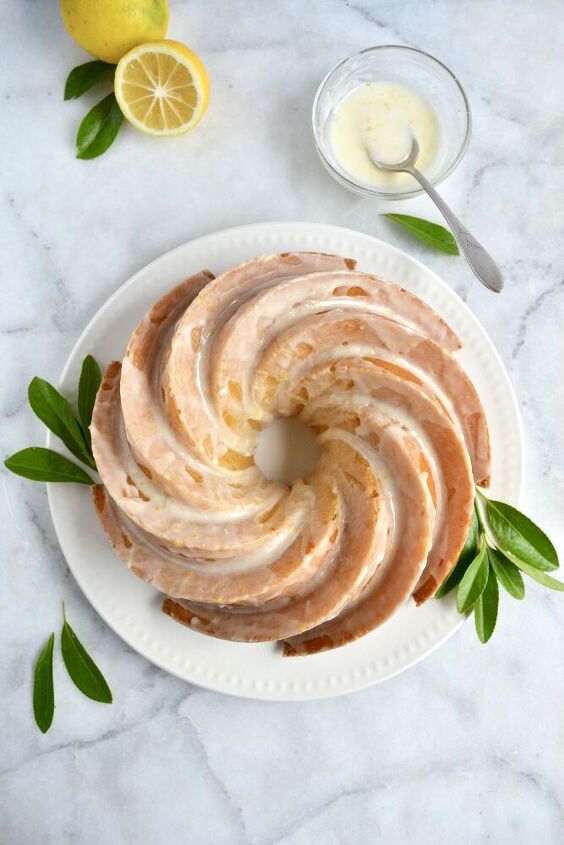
{"x":468,"y":746}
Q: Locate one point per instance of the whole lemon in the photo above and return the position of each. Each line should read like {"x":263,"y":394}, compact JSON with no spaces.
{"x":108,"y":29}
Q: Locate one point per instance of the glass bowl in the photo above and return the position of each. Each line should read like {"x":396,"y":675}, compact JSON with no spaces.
{"x":413,"y":69}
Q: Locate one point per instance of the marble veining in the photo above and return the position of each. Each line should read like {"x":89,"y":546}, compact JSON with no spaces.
{"x":468,"y":745}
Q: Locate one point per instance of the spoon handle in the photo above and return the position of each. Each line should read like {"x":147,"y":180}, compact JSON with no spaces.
{"x":479,"y":259}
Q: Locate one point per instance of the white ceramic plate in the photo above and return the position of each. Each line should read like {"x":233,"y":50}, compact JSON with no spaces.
{"x":132,"y":608}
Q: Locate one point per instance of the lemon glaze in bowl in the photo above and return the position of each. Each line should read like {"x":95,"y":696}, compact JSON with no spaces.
{"x":416,"y":71}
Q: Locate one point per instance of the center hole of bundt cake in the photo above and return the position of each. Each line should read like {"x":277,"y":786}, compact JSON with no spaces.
{"x":287,"y":450}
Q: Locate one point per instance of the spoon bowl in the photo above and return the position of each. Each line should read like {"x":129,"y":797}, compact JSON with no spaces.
{"x":402,"y":166}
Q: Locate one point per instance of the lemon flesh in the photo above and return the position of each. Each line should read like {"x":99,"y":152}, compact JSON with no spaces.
{"x":162,"y":88}
{"x":108,"y":29}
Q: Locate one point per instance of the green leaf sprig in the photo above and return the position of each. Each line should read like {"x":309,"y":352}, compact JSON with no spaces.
{"x":83,"y":672}
{"x":100,"y":126}
{"x":43,"y":690}
{"x":502,"y":543}
{"x":39,"y":464}
{"x":431,"y":234}
{"x":53,"y":409}
{"x":88,"y":386}
{"x":80,"y":666}
{"x":83,"y":77}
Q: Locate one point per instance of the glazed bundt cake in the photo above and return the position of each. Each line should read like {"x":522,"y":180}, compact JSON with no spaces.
{"x":383,"y":516}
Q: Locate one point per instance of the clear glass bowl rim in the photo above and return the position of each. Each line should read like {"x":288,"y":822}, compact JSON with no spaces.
{"x":373,"y":192}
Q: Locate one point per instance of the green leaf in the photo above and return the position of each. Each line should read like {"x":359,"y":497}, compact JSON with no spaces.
{"x":82,"y":669}
{"x":519,"y":538}
{"x":90,"y":380}
{"x":99,"y":128}
{"x":54,"y":410}
{"x":83,"y":77}
{"x":39,"y":464}
{"x":541,"y":577}
{"x":507,"y":574}
{"x":485,"y":609}
{"x":43,"y":691}
{"x":435,"y":236}
{"x":467,"y":555}
{"x":474,"y":581}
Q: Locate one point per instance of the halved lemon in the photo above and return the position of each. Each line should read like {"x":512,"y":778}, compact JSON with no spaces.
{"x":162,"y":88}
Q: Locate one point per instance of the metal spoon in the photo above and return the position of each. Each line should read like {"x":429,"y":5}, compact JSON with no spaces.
{"x":480,"y":261}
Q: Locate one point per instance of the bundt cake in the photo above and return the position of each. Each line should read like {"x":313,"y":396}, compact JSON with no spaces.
{"x":402,"y":435}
